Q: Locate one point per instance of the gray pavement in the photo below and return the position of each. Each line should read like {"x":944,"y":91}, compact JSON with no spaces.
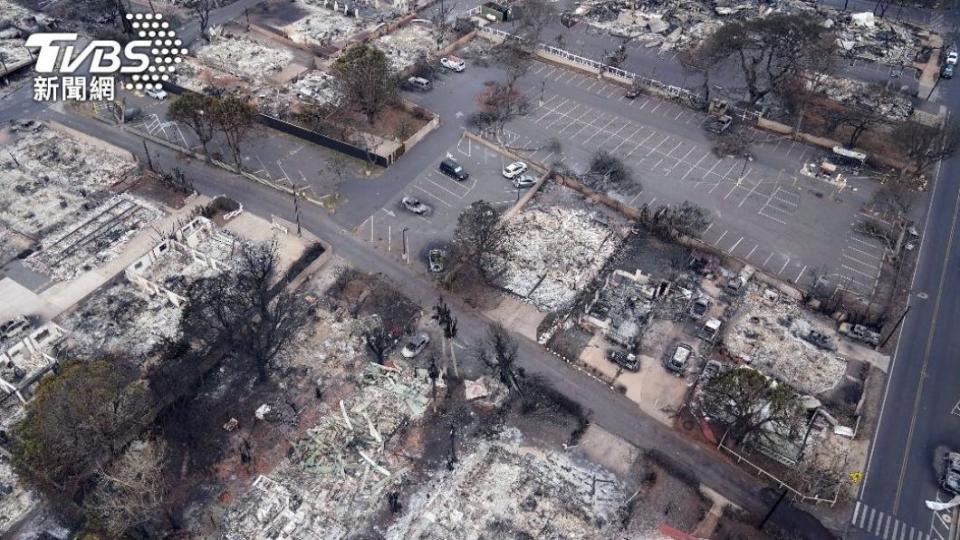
{"x":607,"y":408}
{"x":763,"y":211}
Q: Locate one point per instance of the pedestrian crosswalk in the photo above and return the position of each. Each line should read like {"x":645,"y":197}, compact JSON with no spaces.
{"x":879,"y":524}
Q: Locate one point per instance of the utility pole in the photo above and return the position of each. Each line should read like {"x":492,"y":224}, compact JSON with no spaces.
{"x":403,"y":233}
{"x":896,"y":326}
{"x":296,"y":208}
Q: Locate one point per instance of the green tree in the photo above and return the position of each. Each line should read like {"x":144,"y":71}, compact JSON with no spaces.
{"x":750,"y":403}
{"x":197,"y":111}
{"x":77,"y":417}
{"x":367,"y":79}
{"x":236,"y":119}
{"x":480,"y":235}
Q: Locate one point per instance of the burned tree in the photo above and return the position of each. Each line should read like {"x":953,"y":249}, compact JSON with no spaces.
{"x":480,"y":235}
{"x":749,"y":404}
{"x":925,"y":145}
{"x":367,"y":79}
{"x":501,"y":104}
{"x":534,"y":16}
{"x":390,"y":315}
{"x":685,"y":219}
{"x":243,"y":310}
{"x":772,"y":50}
{"x":202,"y":9}
{"x":130,"y":491}
{"x":608,"y":172}
{"x":77,"y":417}
{"x":515,"y":57}
{"x":197,"y":111}
{"x":500,"y":355}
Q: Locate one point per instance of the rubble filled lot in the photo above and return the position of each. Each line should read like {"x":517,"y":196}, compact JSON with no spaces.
{"x":94,"y":239}
{"x":506,"y":489}
{"x":14,"y":500}
{"x":16,"y":23}
{"x":556,"y":246}
{"x":134,"y":315}
{"x":316,"y":87}
{"x":49,"y":180}
{"x":670,"y":25}
{"x":242,"y":56}
{"x":323,"y":26}
{"x":895,"y":106}
{"x":772,"y":332}
{"x":404,"y":46}
{"x":121,"y":318}
{"x":341,"y":470}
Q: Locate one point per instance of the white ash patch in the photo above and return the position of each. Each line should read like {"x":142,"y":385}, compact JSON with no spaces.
{"x":765,"y":332}
{"x":94,"y":239}
{"x":18,"y":501}
{"x":553,"y":253}
{"x":243,"y":57}
{"x":317,"y":87}
{"x":404,"y":46}
{"x":124,"y":319}
{"x":518,"y":492}
{"x":323,"y":26}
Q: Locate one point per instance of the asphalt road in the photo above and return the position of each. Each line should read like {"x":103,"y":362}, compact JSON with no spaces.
{"x":607,"y":408}
{"x":920,"y":411}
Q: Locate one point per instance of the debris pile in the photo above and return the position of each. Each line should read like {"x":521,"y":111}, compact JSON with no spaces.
{"x":324,"y":25}
{"x":404,"y":46}
{"x":895,"y":106}
{"x":48,"y":181}
{"x":15,"y":501}
{"x":774,"y":334}
{"x":554,"y":252}
{"x":504,"y":490}
{"x":243,"y":57}
{"x":685,"y":23}
{"x":16,"y":24}
{"x":316,"y":87}
{"x":121,"y":318}
{"x":342,"y":469}
{"x":94,"y":239}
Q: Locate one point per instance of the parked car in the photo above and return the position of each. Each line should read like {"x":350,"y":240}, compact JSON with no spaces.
{"x":625,"y":360}
{"x":514,"y":169}
{"x":710,"y":370}
{"x":158,"y":94}
{"x":699,"y":307}
{"x":453,"y":169}
{"x":950,"y":481}
{"x":678,"y":361}
{"x":437,"y":259}
{"x":718,"y":124}
{"x":524,"y":181}
{"x":633,"y":93}
{"x":952,"y":57}
{"x":453,"y":63}
{"x":415,"y":345}
{"x":419,"y":83}
{"x":948,"y":70}
{"x":414,"y":205}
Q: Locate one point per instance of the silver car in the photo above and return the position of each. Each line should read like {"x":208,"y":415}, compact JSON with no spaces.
{"x":412,"y":204}
{"x":514,"y":170}
{"x":524,"y":181}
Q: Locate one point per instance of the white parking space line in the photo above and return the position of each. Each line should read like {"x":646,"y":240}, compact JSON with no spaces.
{"x":609,"y":133}
{"x":866,"y":254}
{"x":432,"y":196}
{"x":854,"y":270}
{"x":625,"y":139}
{"x":765,"y":261}
{"x":720,"y":238}
{"x":734,"y":246}
{"x":869,"y":265}
{"x":800,"y":275}
{"x":752,"y":250}
{"x":643,"y":142}
{"x":695,"y":165}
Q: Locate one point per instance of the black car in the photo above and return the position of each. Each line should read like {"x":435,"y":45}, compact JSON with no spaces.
{"x":625,"y":360}
{"x":454,"y":170}
{"x":947,"y":71}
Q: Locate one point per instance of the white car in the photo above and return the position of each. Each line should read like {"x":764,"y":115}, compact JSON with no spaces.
{"x":514,"y":169}
{"x":453,"y":63}
{"x":952,"y":57}
{"x":415,"y":345}
{"x":158,"y":94}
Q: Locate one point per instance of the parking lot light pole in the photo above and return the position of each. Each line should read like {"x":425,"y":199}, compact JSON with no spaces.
{"x":403,"y":233}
